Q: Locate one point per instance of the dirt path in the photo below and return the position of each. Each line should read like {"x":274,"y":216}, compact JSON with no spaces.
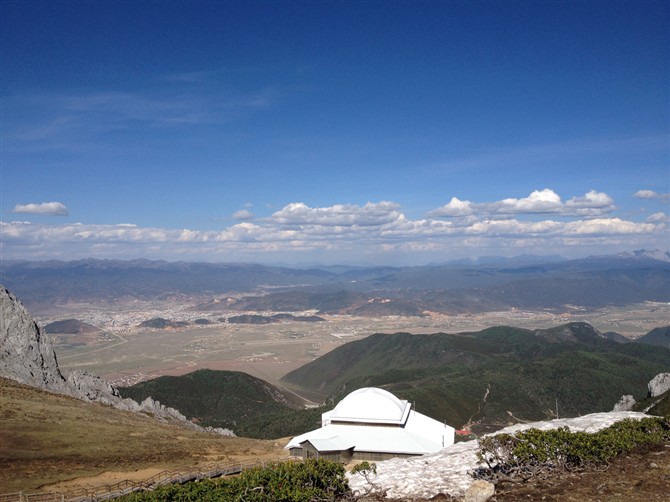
{"x":100,"y":481}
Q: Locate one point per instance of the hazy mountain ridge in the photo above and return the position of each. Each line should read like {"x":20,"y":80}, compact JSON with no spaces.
{"x":59,"y":281}
{"x":659,"y":336}
{"x":591,"y":282}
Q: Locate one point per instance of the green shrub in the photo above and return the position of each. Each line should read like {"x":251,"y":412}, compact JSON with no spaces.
{"x":525,"y":453}
{"x":312,"y":480}
{"x":365,"y":468}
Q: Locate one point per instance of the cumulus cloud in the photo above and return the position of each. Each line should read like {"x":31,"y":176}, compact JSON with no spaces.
{"x":454,"y":208}
{"x":650,"y":194}
{"x":48,"y":208}
{"x":591,"y":204}
{"x":607,"y":226}
{"x":546,"y":201}
{"x":657,"y":218}
{"x":538,"y":202}
{"x":345,"y":231}
{"x":346,"y":215}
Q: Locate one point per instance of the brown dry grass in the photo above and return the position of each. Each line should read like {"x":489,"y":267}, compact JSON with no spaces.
{"x":47,"y":439}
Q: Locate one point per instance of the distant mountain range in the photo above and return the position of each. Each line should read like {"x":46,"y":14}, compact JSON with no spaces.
{"x":374,"y":291}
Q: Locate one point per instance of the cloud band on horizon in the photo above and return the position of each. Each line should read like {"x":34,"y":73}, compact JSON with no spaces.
{"x":344,"y":231}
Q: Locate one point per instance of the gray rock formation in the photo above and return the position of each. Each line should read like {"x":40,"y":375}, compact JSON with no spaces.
{"x":659,"y":384}
{"x":27,"y":356}
{"x":626,"y":403}
{"x":91,"y":387}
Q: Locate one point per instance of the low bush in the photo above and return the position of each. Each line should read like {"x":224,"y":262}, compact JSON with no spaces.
{"x":365,"y":468}
{"x":309,"y":481}
{"x":528,"y":452}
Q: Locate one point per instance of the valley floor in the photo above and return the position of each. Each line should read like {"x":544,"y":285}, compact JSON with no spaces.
{"x":125,"y":354}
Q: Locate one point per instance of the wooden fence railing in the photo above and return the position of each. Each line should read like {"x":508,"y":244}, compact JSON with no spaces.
{"x":121,"y":488}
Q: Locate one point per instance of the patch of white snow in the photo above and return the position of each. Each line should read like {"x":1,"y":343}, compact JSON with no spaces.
{"x":449,"y":471}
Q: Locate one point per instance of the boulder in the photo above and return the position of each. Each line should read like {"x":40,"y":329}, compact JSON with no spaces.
{"x":659,"y":384}
{"x":626,"y":403}
{"x":479,"y":491}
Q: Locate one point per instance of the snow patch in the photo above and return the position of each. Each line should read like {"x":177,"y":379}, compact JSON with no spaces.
{"x":449,"y":471}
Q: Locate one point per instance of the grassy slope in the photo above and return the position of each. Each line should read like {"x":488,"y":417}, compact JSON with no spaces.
{"x":45,"y":438}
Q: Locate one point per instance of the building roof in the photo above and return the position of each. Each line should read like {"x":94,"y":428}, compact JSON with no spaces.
{"x":374,"y":420}
{"x":373,"y":439}
{"x":369,"y":405}
{"x":334,"y":443}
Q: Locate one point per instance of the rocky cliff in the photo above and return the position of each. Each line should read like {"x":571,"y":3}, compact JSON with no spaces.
{"x":27,"y":356}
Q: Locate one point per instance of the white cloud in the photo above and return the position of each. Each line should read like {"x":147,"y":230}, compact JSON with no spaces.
{"x":546,"y":201}
{"x":657,"y":218}
{"x":371,"y":214}
{"x":514,"y":227}
{"x":650,"y":194}
{"x":454,"y":208}
{"x":538,"y":202}
{"x":591,"y":204}
{"x":607,"y":226}
{"x":48,"y":208}
{"x":346,"y":232}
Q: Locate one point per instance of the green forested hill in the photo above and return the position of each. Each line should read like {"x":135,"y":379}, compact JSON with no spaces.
{"x":230,"y":399}
{"x":482,"y":379}
{"x":488,"y":376}
{"x":659,"y":336}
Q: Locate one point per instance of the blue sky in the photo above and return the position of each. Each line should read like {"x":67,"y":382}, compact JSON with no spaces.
{"x":333,"y":132}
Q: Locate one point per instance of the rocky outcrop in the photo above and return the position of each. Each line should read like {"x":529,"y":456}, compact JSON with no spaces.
{"x":659,"y":384}
{"x":90,"y":387}
{"x":626,"y":403}
{"x":27,"y":356}
{"x":26,"y":353}
{"x":656,"y":386}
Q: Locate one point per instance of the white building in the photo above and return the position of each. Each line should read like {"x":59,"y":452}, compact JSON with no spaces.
{"x":372,"y":424}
